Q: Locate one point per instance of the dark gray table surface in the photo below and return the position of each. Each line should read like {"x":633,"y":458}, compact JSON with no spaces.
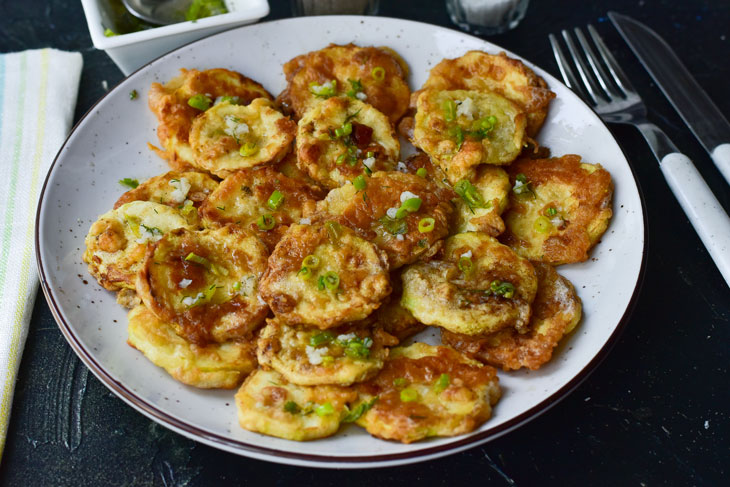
{"x":655,"y":412}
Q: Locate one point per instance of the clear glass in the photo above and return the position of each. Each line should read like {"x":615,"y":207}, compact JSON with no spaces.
{"x":487,"y":17}
{"x":334,"y":7}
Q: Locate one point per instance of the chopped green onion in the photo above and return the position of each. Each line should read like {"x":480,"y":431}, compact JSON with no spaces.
{"x":321,"y":338}
{"x":187,"y":208}
{"x":502,"y":288}
{"x":324,"y":90}
{"x":193,"y":257}
{"x":133,"y":95}
{"x":371,"y":154}
{"x":328,"y":360}
{"x":201,"y":102}
{"x":422,"y":172}
{"x":132,"y":183}
{"x":457,"y":133}
{"x":320,"y":283}
{"x":304,"y":273}
{"x":400,"y":382}
{"x":237,"y":286}
{"x":343,"y":131}
{"x":542,"y":224}
{"x":522,"y":185}
{"x":334,"y":230}
{"x":360,"y":183}
{"x":378,"y":73}
{"x":470,"y":195}
{"x":311,"y":261}
{"x":356,"y":87}
{"x":408,"y":395}
{"x":411,"y":205}
{"x":551,"y":211}
{"x":393,"y":226}
{"x":205,"y":8}
{"x":426,"y":225}
{"x":109,"y":33}
{"x":248,"y":149}
{"x":358,"y":411}
{"x":275,"y":200}
{"x":233,"y":100}
{"x":291,"y":407}
{"x":340,"y":159}
{"x":358,"y":348}
{"x":482,"y":127}
{"x":331,"y":280}
{"x":465,"y":264}
{"x":266,"y":222}
{"x":449,"y":109}
{"x":442,"y":383}
{"x":325,"y":409}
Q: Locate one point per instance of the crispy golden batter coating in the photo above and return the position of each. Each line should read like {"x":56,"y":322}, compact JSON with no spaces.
{"x":478,"y":286}
{"x":371,"y":212}
{"x":169,"y":103}
{"x":213,"y":366}
{"x":308,"y":356}
{"x":380,"y":72}
{"x":392,"y":317}
{"x":426,"y":391}
{"x":341,"y":137}
{"x":184,"y":191}
{"x":250,"y":194}
{"x":482,"y":201}
{"x":205,"y":283}
{"x":228,"y":137}
{"x":345,"y":279}
{"x":501,"y":74}
{"x":563,"y":208}
{"x":463,"y":129}
{"x":268,"y":404}
{"x":555,"y":313}
{"x":117,"y":241}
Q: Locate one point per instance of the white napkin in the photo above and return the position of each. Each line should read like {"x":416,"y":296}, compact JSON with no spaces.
{"x":37,"y":98}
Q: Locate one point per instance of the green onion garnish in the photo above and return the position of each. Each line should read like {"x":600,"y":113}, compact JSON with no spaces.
{"x":233,"y":100}
{"x":321,"y":338}
{"x":522,"y":185}
{"x":400,"y":382}
{"x":320,"y":283}
{"x":358,"y":348}
{"x":324,"y":90}
{"x":442,"y":383}
{"x":422,"y":172}
{"x":358,"y":411}
{"x":393,"y":226}
{"x":193,"y":257}
{"x":266,"y":222}
{"x":311,"y":261}
{"x":343,"y":131}
{"x":334,"y":230}
{"x":470,"y":195}
{"x":109,"y":33}
{"x":502,"y":288}
{"x":378,"y":73}
{"x":340,"y":159}
{"x":133,"y":95}
{"x":248,"y":149}
{"x":304,"y":273}
{"x":408,"y":395}
{"x":360,"y":183}
{"x":542,"y":224}
{"x":356,"y":87}
{"x":465,"y":264}
{"x":426,"y":225}
{"x":205,"y":8}
{"x":132,"y":183}
{"x":291,"y":407}
{"x":331,"y":280}
{"x":325,"y":409}
{"x":551,"y":211}
{"x":411,"y":205}
{"x":449,"y":109}
{"x":201,"y":102}
{"x":275,"y":200}
{"x":458,"y":134}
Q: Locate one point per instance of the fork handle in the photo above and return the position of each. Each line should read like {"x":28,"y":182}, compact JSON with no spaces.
{"x":695,"y":197}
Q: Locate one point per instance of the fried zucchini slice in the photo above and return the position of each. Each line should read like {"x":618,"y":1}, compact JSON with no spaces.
{"x":499,"y":73}
{"x":374,"y":212}
{"x":228,"y":137}
{"x":262,"y":200}
{"x":268,"y":404}
{"x":117,"y":241}
{"x":392,"y":317}
{"x":324,"y":275}
{"x":426,"y":391}
{"x":341,"y":137}
{"x":482,"y":201}
{"x":184,"y":191}
{"x":478,"y":286}
{"x":559,"y":208}
{"x":170,"y":104}
{"x":462,"y":129}
{"x":555,"y":312}
{"x":205,"y":283}
{"x":308,"y":356}
{"x":213,"y":366}
{"x":374,"y":75}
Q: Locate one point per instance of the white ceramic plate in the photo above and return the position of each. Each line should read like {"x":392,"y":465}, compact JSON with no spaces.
{"x":110,"y":144}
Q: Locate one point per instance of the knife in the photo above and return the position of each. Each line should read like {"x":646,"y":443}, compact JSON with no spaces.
{"x":691,"y":102}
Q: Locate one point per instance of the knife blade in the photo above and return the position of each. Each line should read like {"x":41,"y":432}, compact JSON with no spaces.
{"x":697,"y":110}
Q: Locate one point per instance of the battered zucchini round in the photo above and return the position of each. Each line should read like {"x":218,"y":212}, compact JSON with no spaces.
{"x":374,"y":75}
{"x":184,"y":191}
{"x":268,"y":404}
{"x":559,"y":208}
{"x":258,"y":199}
{"x":426,"y":391}
{"x":228,"y":137}
{"x":392,"y":317}
{"x":309,"y":356}
{"x":117,"y":241}
{"x":213,"y":366}
{"x":324,"y":275}
{"x":374,"y":212}
{"x":170,"y":104}
{"x":205,"y":283}
{"x":555,"y":313}
{"x":499,"y":73}
{"x":478,"y":286}
{"x":341,"y":137}
{"x":462,"y":129}
{"x":482,"y":201}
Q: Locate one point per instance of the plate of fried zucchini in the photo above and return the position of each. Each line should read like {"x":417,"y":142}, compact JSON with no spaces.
{"x":341,"y":241}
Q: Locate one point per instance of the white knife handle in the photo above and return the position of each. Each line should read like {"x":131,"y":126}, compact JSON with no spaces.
{"x":702,"y":208}
{"x":721,"y":156}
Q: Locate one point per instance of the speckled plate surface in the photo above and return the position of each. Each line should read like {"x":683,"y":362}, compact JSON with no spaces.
{"x":109,"y":144}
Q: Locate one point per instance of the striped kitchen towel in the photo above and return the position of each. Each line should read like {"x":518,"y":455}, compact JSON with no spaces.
{"x":38,"y":91}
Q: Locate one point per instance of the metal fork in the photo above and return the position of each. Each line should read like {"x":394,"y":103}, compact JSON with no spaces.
{"x":613,"y":97}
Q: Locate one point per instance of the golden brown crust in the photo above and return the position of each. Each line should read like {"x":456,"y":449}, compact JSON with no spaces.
{"x":580,"y":195}
{"x":393,"y":317}
{"x":509,"y":77}
{"x":242,"y":198}
{"x":555,"y":313}
{"x":343,"y":63}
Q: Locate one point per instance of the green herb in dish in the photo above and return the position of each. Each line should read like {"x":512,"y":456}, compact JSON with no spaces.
{"x":200,"y":9}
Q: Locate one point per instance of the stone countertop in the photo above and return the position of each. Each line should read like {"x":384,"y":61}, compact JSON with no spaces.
{"x":654,"y":412}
